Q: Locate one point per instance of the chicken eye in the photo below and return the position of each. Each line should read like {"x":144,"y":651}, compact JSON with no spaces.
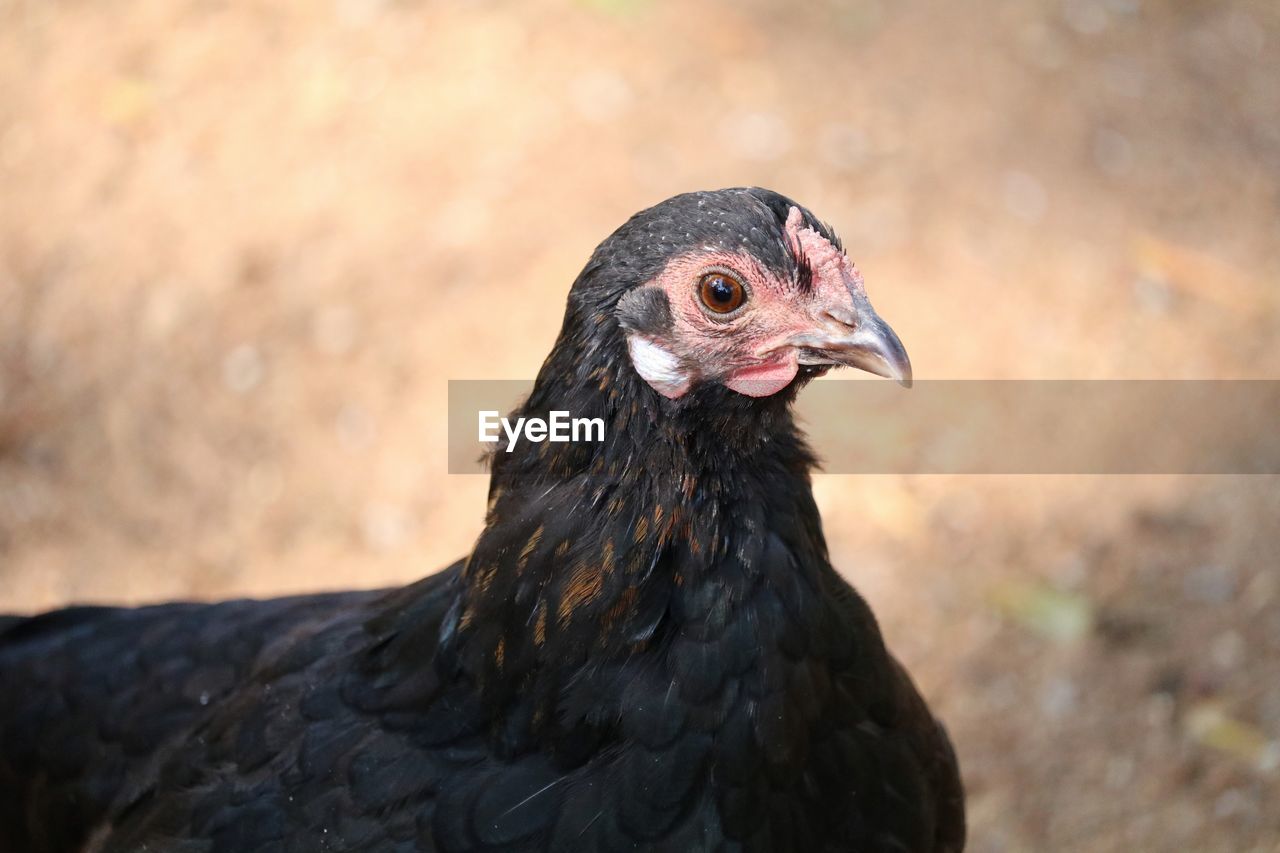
{"x":721,"y":292}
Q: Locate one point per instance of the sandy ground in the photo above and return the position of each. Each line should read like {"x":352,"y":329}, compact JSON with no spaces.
{"x":244,"y":245}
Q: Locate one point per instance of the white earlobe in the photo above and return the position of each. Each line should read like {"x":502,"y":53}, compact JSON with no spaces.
{"x":658,"y":366}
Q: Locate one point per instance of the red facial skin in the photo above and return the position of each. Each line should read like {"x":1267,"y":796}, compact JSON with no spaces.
{"x":750,"y":350}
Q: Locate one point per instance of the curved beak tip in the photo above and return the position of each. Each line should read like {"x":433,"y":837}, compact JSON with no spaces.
{"x":858,"y":339}
{"x":890,"y":362}
{"x":898,"y":362}
{"x":865,"y":342}
{"x":875,"y":348}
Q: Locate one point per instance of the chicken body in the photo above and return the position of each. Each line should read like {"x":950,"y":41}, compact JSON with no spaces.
{"x":648,"y":648}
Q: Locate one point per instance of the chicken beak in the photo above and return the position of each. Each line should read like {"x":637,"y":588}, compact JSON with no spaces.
{"x":855,"y":336}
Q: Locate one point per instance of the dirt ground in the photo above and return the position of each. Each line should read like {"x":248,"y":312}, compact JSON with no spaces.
{"x":244,"y":245}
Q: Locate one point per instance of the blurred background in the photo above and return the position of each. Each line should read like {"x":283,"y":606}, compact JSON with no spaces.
{"x":243,"y":246}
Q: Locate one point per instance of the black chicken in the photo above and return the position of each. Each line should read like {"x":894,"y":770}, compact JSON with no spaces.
{"x":647,"y":649}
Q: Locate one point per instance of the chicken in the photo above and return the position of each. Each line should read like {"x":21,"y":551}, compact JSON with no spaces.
{"x":647,"y":649}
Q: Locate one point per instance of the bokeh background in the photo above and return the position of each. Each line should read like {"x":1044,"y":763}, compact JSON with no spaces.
{"x":244,"y":245}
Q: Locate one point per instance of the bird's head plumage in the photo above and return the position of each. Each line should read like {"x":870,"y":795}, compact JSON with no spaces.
{"x":738,"y":288}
